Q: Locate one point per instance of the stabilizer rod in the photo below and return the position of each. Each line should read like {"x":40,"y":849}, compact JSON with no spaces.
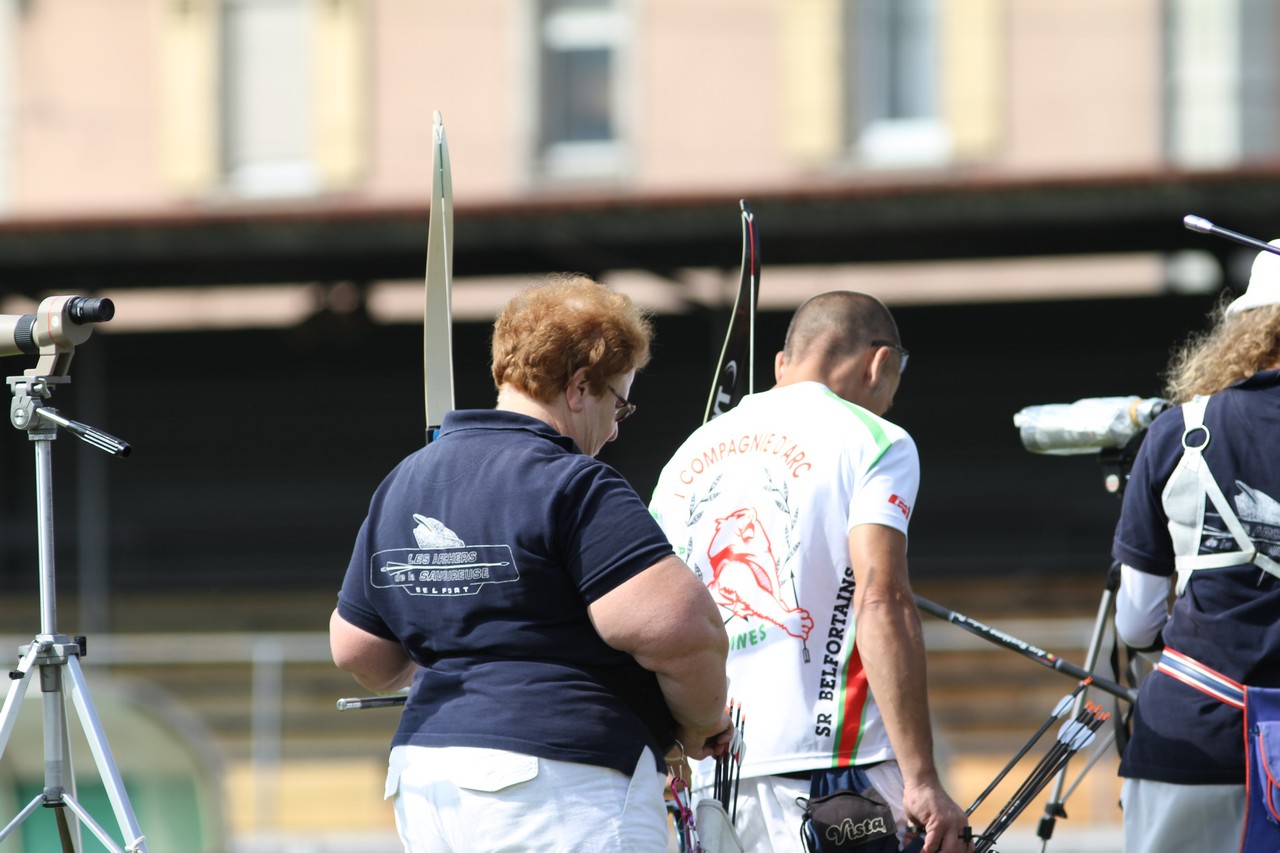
{"x":1000,"y":638}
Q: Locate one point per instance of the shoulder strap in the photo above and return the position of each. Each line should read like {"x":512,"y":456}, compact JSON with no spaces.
{"x":1184,"y":502}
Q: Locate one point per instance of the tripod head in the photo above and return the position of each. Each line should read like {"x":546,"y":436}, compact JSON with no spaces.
{"x":53,"y":332}
{"x":27,"y":412}
{"x":1117,"y":462}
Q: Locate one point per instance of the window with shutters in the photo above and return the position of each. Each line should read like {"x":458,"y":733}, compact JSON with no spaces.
{"x":263,"y":98}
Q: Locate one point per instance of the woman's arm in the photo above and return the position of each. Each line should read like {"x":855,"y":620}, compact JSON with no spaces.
{"x":379,"y":665}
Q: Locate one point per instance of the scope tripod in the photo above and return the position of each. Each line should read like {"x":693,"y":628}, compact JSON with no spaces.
{"x":55,"y":656}
{"x":1116,"y":464}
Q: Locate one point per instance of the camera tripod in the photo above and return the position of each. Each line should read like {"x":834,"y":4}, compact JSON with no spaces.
{"x":1116,"y":464}
{"x":56,"y":657}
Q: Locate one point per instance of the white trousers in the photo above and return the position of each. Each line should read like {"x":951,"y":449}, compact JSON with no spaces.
{"x":468,"y":799}
{"x":1160,"y":817}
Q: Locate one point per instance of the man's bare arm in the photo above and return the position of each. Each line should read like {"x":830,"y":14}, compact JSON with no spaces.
{"x":891,"y":645}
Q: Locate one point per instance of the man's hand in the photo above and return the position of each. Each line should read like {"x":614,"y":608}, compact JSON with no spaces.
{"x":944,"y":822}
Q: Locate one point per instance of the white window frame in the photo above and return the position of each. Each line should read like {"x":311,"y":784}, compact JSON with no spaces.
{"x":283,"y":177}
{"x":584,"y":28}
{"x":1221,"y":82}
{"x":904,"y":141}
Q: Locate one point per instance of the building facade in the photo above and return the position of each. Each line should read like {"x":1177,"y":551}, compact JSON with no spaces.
{"x":155,"y":104}
{"x":265,"y":416}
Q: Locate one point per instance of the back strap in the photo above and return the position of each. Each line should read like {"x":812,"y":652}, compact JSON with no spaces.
{"x":1195,"y":674}
{"x":1184,"y":500}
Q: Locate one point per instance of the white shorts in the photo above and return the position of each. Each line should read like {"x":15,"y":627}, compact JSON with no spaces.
{"x":471,"y":799}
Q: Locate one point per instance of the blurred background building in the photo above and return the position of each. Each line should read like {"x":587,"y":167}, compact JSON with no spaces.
{"x":249,"y":180}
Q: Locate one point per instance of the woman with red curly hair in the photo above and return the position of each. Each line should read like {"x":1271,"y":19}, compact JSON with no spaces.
{"x":554,"y":646}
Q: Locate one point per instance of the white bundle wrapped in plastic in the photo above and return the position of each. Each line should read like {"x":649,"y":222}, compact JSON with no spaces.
{"x":1086,"y":426}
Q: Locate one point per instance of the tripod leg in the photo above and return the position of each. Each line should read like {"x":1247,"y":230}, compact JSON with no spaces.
{"x":21,"y":816}
{"x":64,"y":833}
{"x":96,"y":828}
{"x":1055,"y":807}
{"x":17,"y":691}
{"x":57,"y":755}
{"x":134,"y":840}
{"x":9,"y":715}
{"x":68,"y":775}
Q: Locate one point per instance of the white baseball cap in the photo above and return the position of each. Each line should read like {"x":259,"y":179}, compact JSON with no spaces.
{"x":1264,"y":283}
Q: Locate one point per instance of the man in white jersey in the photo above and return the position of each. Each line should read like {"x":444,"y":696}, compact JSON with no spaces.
{"x":793,"y":509}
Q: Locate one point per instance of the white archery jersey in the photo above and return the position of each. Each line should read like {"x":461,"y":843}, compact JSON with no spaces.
{"x":760,"y":502}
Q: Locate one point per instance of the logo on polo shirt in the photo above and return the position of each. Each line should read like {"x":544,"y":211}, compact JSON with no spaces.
{"x":442,"y":564}
{"x":901,"y":504}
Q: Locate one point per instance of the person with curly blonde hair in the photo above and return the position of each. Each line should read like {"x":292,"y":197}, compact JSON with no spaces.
{"x":1239,"y":344}
{"x":554,"y":647}
{"x":1201,"y":519}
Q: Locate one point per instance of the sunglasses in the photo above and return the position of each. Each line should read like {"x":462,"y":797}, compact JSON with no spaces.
{"x":624,"y":409}
{"x":903,"y":355}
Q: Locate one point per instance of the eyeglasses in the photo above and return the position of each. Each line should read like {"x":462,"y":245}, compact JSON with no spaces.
{"x":624,"y":409}
{"x":903,"y":355}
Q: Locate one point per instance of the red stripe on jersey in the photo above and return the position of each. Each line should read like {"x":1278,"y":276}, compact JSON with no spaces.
{"x":851,"y":709}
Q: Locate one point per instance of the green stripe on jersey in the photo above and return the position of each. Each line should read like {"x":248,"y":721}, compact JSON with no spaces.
{"x":870,"y":421}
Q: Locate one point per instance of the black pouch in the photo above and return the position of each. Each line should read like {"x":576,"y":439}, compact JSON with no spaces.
{"x":847,"y":821}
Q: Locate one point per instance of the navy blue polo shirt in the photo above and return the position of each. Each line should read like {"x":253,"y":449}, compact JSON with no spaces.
{"x":1228,"y":619}
{"x":480,"y":555}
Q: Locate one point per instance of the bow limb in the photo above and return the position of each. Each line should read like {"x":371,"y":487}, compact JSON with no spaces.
{"x":437,"y":323}
{"x":437,"y":329}
{"x":735,"y":372}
